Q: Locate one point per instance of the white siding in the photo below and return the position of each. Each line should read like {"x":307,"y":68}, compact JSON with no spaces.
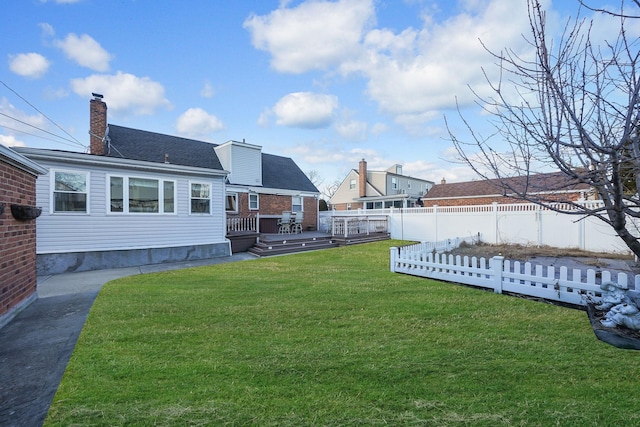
{"x":243,"y":161}
{"x":100,"y":230}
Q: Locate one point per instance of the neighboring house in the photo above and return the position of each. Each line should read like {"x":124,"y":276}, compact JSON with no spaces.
{"x":365,"y":189}
{"x":18,"y":279}
{"x":554,"y":185}
{"x":143,"y":197}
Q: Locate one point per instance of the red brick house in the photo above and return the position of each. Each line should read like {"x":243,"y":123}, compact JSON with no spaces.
{"x":18,"y":280}
{"x":554,"y":185}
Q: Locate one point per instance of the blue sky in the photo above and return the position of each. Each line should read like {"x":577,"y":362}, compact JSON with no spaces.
{"x":326,"y":83}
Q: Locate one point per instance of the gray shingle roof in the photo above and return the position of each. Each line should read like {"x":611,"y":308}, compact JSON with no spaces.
{"x":283,"y":172}
{"x":277,"y":171}
{"x":151,"y":147}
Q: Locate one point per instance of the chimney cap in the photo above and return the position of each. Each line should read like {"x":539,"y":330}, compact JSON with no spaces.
{"x":97,"y":95}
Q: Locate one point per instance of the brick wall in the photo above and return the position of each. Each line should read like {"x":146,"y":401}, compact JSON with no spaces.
{"x":17,"y":238}
{"x":272,"y":204}
{"x":343,"y":206}
{"x":468,"y":201}
{"x":489,"y":200}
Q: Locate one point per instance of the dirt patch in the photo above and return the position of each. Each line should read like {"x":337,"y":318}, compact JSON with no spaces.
{"x":524,"y":253}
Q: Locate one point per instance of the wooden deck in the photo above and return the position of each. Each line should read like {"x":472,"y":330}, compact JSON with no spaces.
{"x":277,"y":244}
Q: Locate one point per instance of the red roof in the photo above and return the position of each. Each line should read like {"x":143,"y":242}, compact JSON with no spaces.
{"x":532,"y":184}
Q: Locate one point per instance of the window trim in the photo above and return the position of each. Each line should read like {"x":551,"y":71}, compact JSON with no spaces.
{"x":235,"y":196}
{"x":52,"y":192}
{"x":352,"y":184}
{"x":126,"y":196}
{"x":301,"y":203}
{"x":257,"y":208}
{"x":191,"y":198}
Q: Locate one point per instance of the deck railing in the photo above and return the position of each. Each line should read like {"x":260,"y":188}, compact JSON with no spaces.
{"x":237,"y":224}
{"x":344,"y":226}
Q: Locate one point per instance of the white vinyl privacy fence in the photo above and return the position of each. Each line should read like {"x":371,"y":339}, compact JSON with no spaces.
{"x":500,"y":275}
{"x":517,"y":223}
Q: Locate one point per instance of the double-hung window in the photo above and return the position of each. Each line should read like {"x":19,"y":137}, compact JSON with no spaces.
{"x":70,"y":191}
{"x":296,"y":204}
{"x":200,"y":198}
{"x":253,"y":202}
{"x":141,"y":195}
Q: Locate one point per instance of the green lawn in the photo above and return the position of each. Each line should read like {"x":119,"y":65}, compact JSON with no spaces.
{"x":332,"y":338}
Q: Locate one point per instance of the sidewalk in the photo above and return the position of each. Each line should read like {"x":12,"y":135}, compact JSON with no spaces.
{"x":36,"y":345}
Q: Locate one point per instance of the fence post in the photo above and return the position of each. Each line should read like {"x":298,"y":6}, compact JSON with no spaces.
{"x":495,"y":222}
{"x":497,"y":264}
{"x":393,"y":252}
{"x":435,"y":220}
{"x":538,"y":215}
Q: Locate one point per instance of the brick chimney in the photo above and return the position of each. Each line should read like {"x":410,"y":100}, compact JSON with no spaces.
{"x":362,"y":179}
{"x":443,"y":181}
{"x":97,"y":124}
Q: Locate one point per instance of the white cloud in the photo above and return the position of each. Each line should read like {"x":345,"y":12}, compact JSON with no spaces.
{"x":31,"y":65}
{"x":11,"y":141}
{"x":13,"y":118}
{"x":352,"y":130}
{"x":85,"y":51}
{"x":412,"y":73}
{"x":305,"y":110}
{"x":47,"y":29}
{"x":197,"y":123}
{"x":313,"y":35}
{"x":207,"y":90}
{"x":124,"y":92}
{"x":379,"y":128}
{"x":419,"y":169}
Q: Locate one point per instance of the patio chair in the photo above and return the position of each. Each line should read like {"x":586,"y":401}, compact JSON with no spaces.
{"x":284,"y":223}
{"x":296,"y":226}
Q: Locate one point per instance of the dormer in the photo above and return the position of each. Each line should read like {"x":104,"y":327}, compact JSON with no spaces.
{"x":243,"y":161}
{"x":397,"y":169}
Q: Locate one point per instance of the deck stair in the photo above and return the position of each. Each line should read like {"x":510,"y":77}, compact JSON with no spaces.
{"x":360,"y":238}
{"x":278,"y":244}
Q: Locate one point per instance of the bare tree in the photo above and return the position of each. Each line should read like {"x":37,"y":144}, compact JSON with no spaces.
{"x":576,"y":110}
{"x":330,"y":189}
{"x":315,"y":178}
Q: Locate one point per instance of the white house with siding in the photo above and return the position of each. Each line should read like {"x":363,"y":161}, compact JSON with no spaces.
{"x":143,"y":197}
{"x":105,"y":212}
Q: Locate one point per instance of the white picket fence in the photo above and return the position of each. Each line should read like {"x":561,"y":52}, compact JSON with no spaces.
{"x":500,"y":275}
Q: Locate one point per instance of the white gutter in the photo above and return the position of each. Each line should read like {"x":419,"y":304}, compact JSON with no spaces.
{"x":12,"y":157}
{"x":91,"y":159}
